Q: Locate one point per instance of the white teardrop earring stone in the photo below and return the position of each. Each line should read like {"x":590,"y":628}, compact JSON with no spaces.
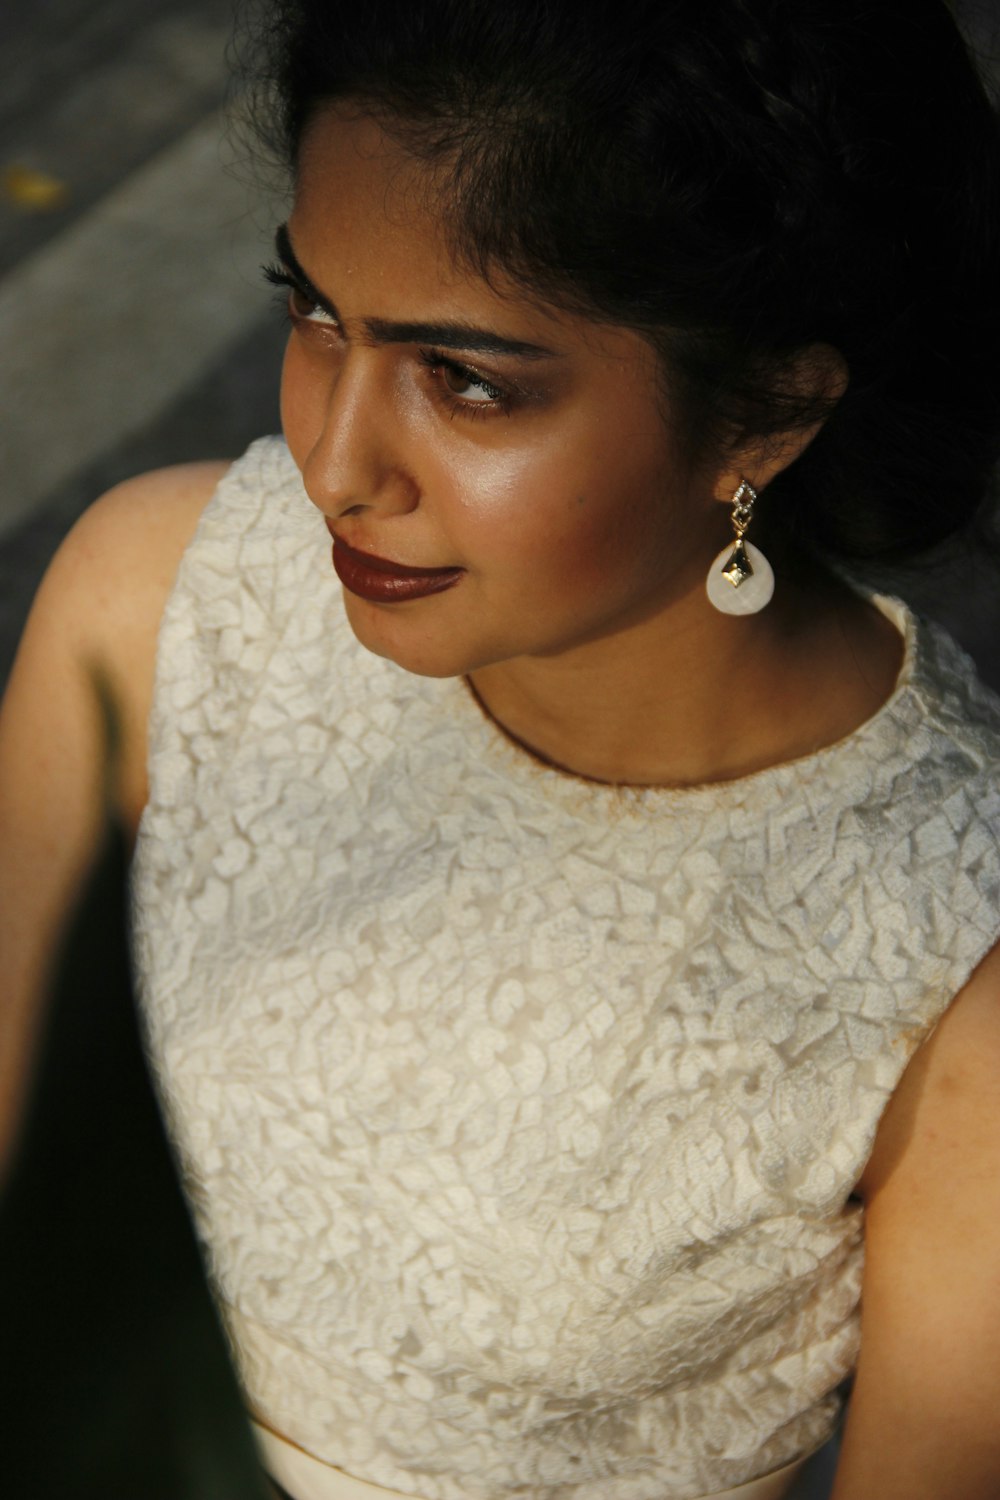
{"x":751,"y":592}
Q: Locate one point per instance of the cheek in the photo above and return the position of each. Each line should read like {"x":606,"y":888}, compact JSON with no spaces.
{"x":302,"y":400}
{"x":580,"y":522}
{"x":614,"y":546}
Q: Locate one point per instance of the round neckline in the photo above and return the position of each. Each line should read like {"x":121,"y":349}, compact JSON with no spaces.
{"x":581,"y":793}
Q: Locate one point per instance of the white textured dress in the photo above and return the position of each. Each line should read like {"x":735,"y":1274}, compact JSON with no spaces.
{"x":520,"y":1115}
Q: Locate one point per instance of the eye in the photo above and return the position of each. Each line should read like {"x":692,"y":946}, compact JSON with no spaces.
{"x":462,"y":390}
{"x":304,"y":310}
{"x":469,"y":387}
{"x":300,"y":307}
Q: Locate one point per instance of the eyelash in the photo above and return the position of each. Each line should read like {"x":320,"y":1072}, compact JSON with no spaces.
{"x":433,"y":359}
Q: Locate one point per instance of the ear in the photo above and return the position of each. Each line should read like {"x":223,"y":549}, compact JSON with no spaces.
{"x":818,"y":373}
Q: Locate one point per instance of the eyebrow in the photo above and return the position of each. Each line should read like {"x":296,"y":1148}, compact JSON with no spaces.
{"x":459,"y":336}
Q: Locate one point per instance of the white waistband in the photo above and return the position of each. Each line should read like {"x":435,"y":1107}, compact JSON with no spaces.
{"x":307,"y":1478}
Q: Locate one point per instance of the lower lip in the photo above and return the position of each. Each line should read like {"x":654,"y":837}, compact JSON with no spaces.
{"x":388,"y":588}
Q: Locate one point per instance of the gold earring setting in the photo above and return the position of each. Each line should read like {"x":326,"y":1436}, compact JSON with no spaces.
{"x":740,"y":580}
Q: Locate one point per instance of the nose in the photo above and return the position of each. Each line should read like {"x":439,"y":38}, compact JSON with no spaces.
{"x":356,"y":462}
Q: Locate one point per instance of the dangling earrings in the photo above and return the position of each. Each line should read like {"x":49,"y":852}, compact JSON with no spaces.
{"x":740,"y":580}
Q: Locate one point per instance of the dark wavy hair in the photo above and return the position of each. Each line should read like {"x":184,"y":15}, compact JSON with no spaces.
{"x":739,"y":181}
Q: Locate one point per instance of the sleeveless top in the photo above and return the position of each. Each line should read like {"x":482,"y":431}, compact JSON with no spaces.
{"x":520,"y":1114}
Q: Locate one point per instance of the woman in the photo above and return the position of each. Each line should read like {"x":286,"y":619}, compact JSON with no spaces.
{"x":568,"y":933}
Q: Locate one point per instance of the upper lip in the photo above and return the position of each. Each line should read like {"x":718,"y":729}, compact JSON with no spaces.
{"x":385,"y":564}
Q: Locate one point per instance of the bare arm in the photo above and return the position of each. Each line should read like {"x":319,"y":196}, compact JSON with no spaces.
{"x":924,"y":1418}
{"x":98,"y":609}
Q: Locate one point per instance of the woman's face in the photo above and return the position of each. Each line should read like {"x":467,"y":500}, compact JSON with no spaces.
{"x":441,"y":424}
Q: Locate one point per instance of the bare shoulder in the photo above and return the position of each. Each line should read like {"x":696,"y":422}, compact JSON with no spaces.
{"x":133,"y":539}
{"x":144,"y":523}
{"x":98,"y":609}
{"x":934,"y":1109}
{"x":104,"y":595}
{"x":922,"y":1420}
{"x":128,"y":543}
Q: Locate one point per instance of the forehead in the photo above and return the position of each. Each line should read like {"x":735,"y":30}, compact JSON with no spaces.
{"x":365,"y":203}
{"x":371,"y":218}
{"x":354,"y":170}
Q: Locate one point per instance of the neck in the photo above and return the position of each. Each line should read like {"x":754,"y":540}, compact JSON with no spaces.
{"x":692,"y":696}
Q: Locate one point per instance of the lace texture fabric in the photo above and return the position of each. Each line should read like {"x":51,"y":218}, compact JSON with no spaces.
{"x":519,"y":1114}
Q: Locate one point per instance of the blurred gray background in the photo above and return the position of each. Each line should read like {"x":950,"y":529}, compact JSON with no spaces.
{"x":135,"y":327}
{"x":136,"y":332}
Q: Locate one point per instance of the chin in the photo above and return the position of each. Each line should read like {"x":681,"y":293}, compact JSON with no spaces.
{"x":399,"y":639}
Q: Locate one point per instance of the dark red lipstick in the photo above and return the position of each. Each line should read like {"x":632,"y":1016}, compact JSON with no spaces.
{"x":385,"y":582}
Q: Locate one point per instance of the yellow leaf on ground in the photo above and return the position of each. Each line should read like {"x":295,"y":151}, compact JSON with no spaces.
{"x":36,"y":191}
